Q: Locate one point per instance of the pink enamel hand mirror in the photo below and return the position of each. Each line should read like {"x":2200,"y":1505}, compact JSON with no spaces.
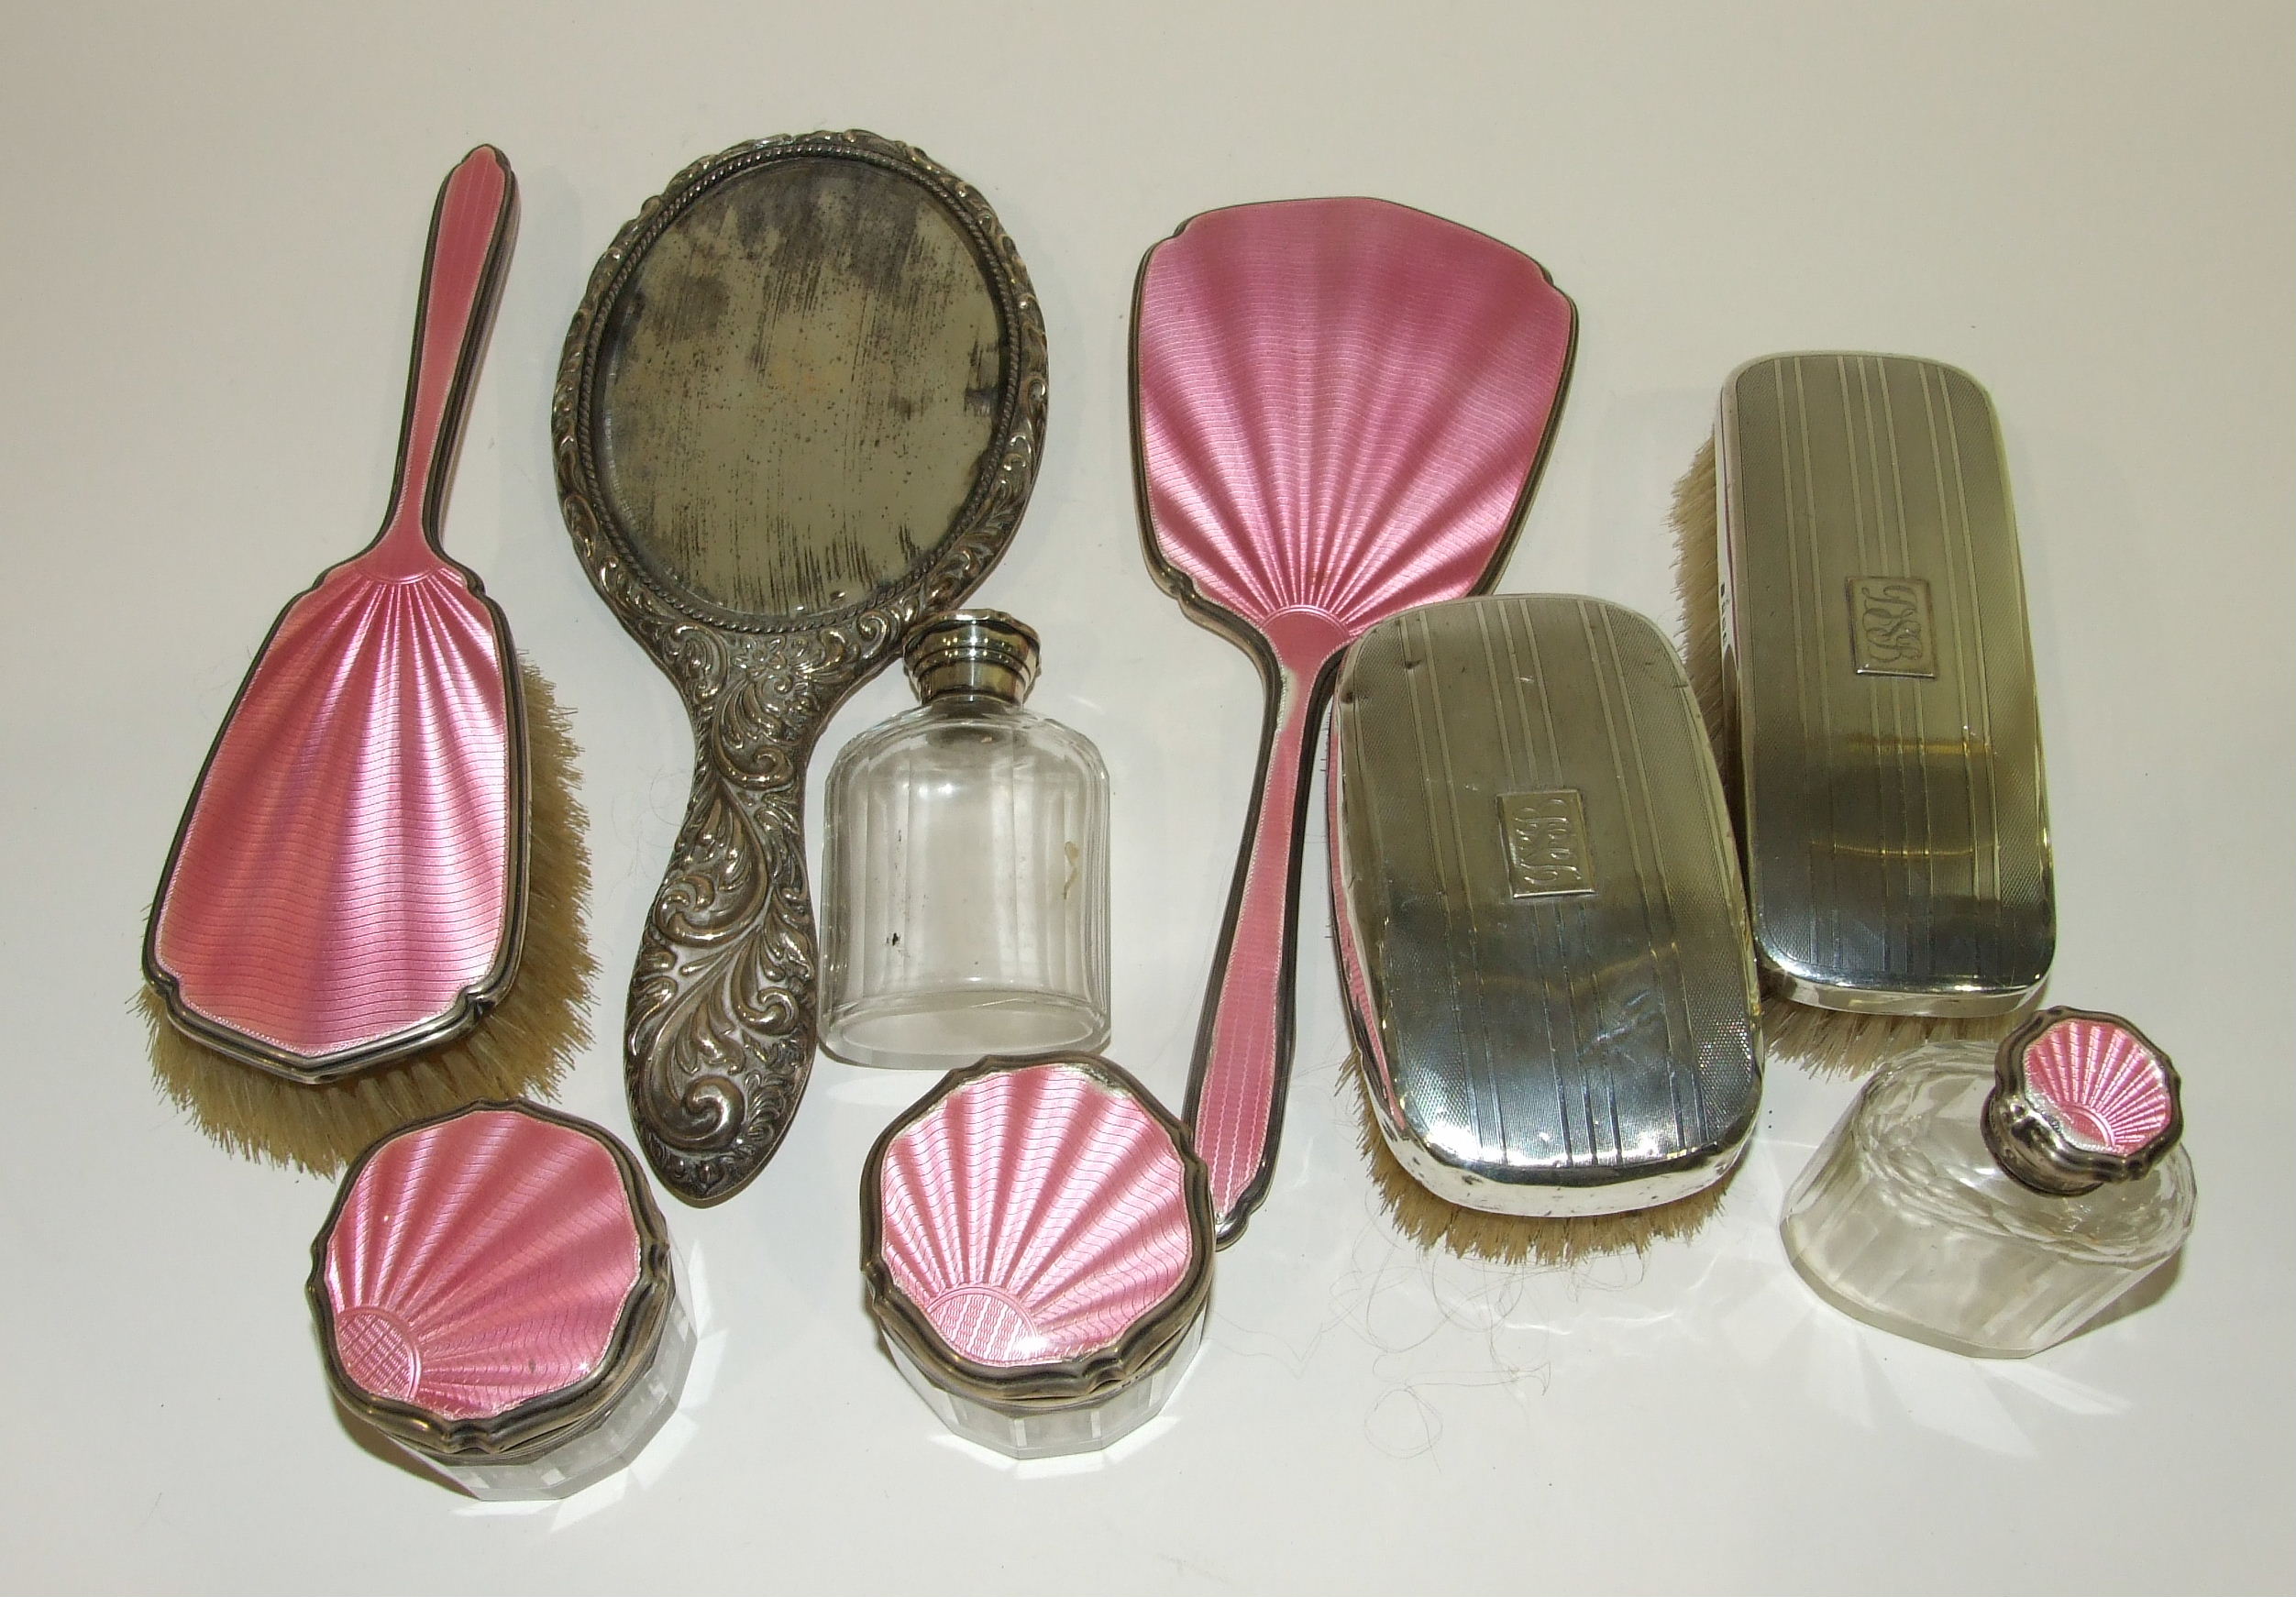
{"x":1340,"y":408}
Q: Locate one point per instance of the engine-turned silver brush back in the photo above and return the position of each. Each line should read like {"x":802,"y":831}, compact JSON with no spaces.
{"x":1542,"y":938}
{"x":1889,"y":741}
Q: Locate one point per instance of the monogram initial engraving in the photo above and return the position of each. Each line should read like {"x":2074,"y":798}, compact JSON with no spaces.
{"x":1546,"y":844}
{"x":1889,"y":627}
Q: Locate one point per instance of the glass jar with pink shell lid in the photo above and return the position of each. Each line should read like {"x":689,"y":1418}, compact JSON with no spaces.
{"x":1036,"y":1240}
{"x":494,"y":1293}
{"x":1993,"y":1201}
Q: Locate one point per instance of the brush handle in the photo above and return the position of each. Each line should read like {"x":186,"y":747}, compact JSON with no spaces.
{"x":1243,"y":1046}
{"x":471,"y":229}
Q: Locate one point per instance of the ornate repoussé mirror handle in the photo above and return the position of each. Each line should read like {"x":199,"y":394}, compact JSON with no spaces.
{"x":800,"y":411}
{"x":721,"y":1031}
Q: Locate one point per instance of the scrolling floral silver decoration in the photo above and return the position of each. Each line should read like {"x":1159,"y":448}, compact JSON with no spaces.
{"x":720,"y":1031}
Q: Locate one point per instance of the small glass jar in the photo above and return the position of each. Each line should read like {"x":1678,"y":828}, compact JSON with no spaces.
{"x":494,"y":1293}
{"x":1036,"y":1242}
{"x":1994,"y":1201}
{"x":964,"y":899}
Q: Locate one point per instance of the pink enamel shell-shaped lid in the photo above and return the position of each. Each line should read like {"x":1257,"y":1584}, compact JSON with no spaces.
{"x":2104,"y":1085}
{"x":479,"y":1262}
{"x":2082,"y":1099}
{"x":1037,"y":1215}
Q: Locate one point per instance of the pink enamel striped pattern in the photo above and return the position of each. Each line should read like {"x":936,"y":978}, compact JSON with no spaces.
{"x":1340,"y":406}
{"x":345,"y":875}
{"x":1033,"y":1216}
{"x":1339,"y":401}
{"x":479,"y":1262}
{"x":2100,"y":1083}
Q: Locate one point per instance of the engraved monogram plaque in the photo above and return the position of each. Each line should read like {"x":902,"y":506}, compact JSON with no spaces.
{"x":1889,"y":627}
{"x":1546,"y":844}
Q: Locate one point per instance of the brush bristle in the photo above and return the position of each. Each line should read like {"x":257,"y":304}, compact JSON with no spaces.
{"x":1699,"y":587}
{"x":1827,"y":1042}
{"x":1836,"y":1042}
{"x":521,"y":1049}
{"x":1433,"y":1222}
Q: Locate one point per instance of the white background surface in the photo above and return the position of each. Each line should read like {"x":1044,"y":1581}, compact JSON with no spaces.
{"x":215,"y":216}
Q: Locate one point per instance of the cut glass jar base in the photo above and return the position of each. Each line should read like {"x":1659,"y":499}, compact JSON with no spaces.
{"x":1882,"y":1320}
{"x":605,"y":1448}
{"x":1051,"y":1431}
{"x":1904,"y":1219}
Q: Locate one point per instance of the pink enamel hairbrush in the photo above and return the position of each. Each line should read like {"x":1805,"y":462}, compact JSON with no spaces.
{"x":1340,"y":409}
{"x":347,"y":887}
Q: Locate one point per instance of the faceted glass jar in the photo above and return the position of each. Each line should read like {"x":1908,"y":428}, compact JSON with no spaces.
{"x":1036,"y":1243}
{"x":495,"y":1294}
{"x":590,"y":1455}
{"x":1050,"y":1430}
{"x":965,"y":881}
{"x":1906,"y":1220}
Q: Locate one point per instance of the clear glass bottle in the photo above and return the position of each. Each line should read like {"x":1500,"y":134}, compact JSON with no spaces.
{"x":1993,"y":1201}
{"x":964,"y":900}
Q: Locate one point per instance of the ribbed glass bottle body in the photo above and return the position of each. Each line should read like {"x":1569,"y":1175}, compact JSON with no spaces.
{"x":966,"y":888}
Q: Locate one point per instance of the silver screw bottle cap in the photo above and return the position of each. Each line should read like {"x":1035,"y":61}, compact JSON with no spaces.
{"x":2080,"y":1099}
{"x":972,"y":651}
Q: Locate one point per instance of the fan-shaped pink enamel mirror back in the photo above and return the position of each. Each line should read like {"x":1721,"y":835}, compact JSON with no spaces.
{"x":348,"y":884}
{"x":800,"y":411}
{"x":1340,"y":409}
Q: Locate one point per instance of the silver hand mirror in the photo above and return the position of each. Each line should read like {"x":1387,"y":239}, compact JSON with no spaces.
{"x":800,"y":411}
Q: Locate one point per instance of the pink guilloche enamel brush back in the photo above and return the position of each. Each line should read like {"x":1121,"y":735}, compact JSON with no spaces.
{"x":344,"y":886}
{"x":1340,"y":407}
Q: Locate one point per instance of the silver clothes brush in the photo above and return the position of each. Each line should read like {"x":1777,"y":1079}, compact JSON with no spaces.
{"x":1858,"y":632}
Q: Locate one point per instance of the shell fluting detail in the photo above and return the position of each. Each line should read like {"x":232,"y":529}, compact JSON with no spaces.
{"x":1033,"y":1216}
{"x":479,"y":1262}
{"x":2100,"y":1083}
{"x":1341,"y":406}
{"x":345,"y":874}
{"x":1340,"y":402}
